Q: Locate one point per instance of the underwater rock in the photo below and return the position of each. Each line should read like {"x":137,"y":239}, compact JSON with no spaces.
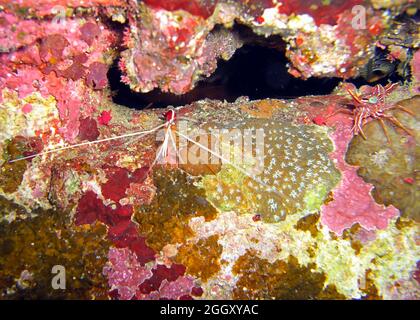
{"x":80,"y":250}
{"x":165,"y":220}
{"x":170,"y":44}
{"x":184,"y":214}
{"x":57,"y":68}
{"x":281,"y":280}
{"x":351,"y":201}
{"x":134,"y":205}
{"x":175,"y":226}
{"x":169,"y":50}
{"x":56,"y":8}
{"x":166,"y":242}
{"x":391,"y":166}
{"x":124,"y":272}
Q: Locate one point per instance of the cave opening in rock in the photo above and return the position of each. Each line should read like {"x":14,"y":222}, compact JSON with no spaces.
{"x":255,"y":71}
{"x":258,"y":70}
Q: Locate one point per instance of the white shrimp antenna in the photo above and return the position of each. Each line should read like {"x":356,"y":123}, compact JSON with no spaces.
{"x":87,"y":143}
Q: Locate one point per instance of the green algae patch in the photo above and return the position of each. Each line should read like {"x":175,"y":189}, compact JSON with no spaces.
{"x":286,"y":279}
{"x":309,"y":223}
{"x":177,"y":200}
{"x":11,"y":173}
{"x":295,"y":173}
{"x":29,"y":248}
{"x":227,"y":198}
{"x":202,"y":259}
{"x":314,"y":198}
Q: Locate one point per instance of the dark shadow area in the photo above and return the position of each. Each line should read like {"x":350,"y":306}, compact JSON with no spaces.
{"x":380,"y":70}
{"x":258,"y":70}
{"x":383,"y":68}
{"x":254,"y":71}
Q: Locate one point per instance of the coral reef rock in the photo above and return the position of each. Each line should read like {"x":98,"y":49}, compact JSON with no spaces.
{"x":263,"y":199}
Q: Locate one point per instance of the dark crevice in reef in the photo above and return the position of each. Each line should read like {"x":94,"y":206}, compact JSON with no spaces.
{"x":257,"y":70}
{"x":260,"y":72}
{"x":254,"y":71}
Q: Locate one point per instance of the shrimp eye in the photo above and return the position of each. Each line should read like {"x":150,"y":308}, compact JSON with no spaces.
{"x":373,"y":100}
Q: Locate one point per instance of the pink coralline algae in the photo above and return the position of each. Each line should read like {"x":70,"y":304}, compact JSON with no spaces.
{"x":69,"y":108}
{"x":169,"y":42}
{"x":159,"y":50}
{"x":179,"y":289}
{"x":118,"y":182}
{"x":203,"y":8}
{"x":15,"y":33}
{"x":415,"y":66}
{"x":161,"y":273}
{"x":97,"y":78}
{"x":307,"y":52}
{"x":24,"y":81}
{"x":27,"y":108}
{"x":124,"y":272}
{"x":134,"y":280}
{"x":68,"y":56}
{"x":322,"y":12}
{"x":122,"y":231}
{"x":167,"y":283}
{"x":89,"y":32}
{"x":353,"y":202}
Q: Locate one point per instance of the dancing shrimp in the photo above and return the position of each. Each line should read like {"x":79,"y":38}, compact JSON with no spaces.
{"x":372,"y":105}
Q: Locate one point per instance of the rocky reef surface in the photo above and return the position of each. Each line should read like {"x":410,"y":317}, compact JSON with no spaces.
{"x":158,"y":204}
